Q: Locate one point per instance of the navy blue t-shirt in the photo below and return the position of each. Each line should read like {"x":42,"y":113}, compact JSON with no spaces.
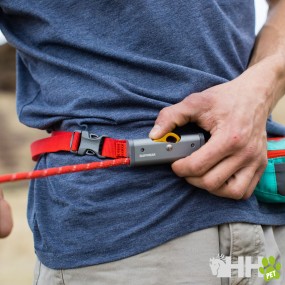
{"x":109,"y":67}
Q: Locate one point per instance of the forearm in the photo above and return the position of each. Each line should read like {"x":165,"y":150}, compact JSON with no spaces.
{"x":269,"y":53}
{"x":232,"y":161}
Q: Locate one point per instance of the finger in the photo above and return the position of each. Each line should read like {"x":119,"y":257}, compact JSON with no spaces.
{"x":168,"y":119}
{"x":238,"y":185}
{"x":202,"y":160}
{"x":253,"y":183}
{"x":217,"y":176}
{"x":6,"y":222}
{"x":175,"y":116}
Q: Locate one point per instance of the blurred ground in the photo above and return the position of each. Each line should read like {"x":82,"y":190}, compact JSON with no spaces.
{"x":7,"y":68}
{"x":279,"y":112}
{"x":16,"y":252}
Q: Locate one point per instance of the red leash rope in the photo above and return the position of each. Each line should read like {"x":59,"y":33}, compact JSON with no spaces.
{"x":63,"y":170}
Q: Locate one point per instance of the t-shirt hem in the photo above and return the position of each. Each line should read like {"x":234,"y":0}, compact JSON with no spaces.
{"x":145,"y":243}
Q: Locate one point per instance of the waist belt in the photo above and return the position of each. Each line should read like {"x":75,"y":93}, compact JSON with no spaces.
{"x":145,"y":152}
{"x":81,"y":143}
{"x":135,"y":152}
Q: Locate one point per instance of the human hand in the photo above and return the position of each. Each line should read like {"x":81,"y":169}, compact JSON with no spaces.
{"x":231,"y":163}
{"x":6,"y":222}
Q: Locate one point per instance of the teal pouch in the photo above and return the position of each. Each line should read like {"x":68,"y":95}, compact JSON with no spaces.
{"x":271,"y":187}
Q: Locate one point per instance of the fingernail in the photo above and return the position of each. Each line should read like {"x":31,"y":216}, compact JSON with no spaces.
{"x":154,"y":133}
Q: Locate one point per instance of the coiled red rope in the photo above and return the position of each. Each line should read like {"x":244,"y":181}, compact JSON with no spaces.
{"x":63,"y":170}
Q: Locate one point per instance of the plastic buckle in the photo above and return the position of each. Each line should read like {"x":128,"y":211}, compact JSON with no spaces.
{"x":90,"y":144}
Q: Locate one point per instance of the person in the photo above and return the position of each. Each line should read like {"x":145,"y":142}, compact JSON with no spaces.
{"x":110,"y":68}
{"x":6,"y":221}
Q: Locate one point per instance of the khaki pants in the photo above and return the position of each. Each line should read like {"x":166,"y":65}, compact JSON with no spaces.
{"x":184,"y":260}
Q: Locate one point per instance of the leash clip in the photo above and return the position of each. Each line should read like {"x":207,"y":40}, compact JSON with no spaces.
{"x":90,"y":144}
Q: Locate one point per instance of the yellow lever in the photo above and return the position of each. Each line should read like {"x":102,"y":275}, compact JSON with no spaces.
{"x":169,"y":137}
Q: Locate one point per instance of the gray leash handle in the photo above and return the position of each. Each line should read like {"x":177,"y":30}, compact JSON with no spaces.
{"x":149,"y":152}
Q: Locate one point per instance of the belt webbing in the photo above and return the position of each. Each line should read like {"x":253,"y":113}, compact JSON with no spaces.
{"x":70,"y":142}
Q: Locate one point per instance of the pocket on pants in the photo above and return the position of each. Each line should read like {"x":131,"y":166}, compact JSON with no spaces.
{"x":47,"y":276}
{"x":37,"y":272}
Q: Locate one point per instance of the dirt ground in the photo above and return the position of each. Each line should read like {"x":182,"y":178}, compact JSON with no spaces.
{"x":16,"y":252}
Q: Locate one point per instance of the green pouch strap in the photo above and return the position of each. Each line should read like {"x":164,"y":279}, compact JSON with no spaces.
{"x":271,"y":187}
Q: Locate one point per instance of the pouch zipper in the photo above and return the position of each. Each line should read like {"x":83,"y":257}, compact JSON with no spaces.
{"x":276,"y":139}
{"x":275,"y":153}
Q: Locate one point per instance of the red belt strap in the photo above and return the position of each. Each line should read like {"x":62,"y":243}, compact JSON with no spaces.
{"x":74,"y":142}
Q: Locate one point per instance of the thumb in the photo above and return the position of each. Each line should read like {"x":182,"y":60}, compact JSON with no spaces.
{"x":175,"y":116}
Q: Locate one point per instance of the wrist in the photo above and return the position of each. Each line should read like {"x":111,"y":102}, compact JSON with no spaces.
{"x":268,"y":75}
{"x":277,"y":63}
{"x":276,"y":82}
